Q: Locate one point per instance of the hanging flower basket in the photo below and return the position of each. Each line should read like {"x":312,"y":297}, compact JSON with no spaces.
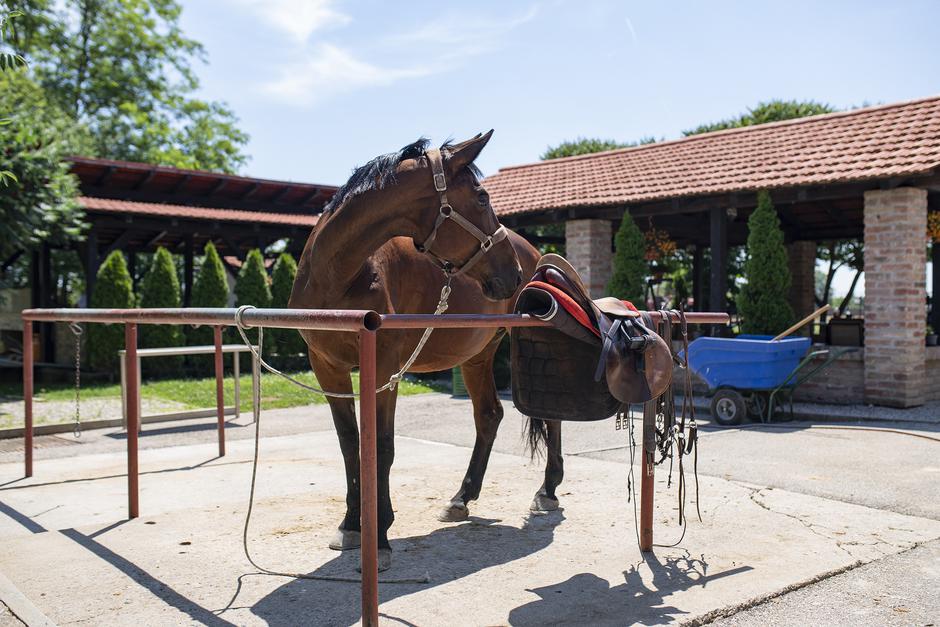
{"x":658,"y":245}
{"x":933,"y":227}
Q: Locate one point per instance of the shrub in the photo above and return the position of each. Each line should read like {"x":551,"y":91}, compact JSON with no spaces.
{"x":210,"y":289}
{"x":629,"y":279}
{"x":161,"y":288}
{"x":251,"y":288}
{"x":763,"y":303}
{"x":113,"y":290}
{"x":284,"y":341}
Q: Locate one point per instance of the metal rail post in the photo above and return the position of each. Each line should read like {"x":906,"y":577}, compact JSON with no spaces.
{"x":133,"y":417}
{"x":219,"y":390}
{"x":28,"y":394}
{"x":368,"y":480}
{"x":647,"y":483}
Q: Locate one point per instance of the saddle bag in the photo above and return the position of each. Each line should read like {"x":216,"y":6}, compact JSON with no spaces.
{"x":595,"y":357}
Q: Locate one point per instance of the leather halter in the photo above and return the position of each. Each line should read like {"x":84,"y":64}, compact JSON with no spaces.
{"x":447,"y":212}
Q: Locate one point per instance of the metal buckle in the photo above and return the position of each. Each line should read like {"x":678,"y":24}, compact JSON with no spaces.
{"x":446,"y":213}
{"x":440,"y":183}
{"x":486,"y":244}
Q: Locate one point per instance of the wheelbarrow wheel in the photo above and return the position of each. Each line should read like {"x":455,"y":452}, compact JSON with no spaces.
{"x":728,"y":408}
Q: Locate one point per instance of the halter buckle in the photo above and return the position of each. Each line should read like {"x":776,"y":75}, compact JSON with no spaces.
{"x":446,"y":210}
{"x":486,"y":244}
{"x":440,"y":183}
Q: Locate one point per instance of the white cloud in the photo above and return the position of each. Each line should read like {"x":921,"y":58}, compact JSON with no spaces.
{"x":330,"y":70}
{"x":297,"y":18}
{"x":463,"y":35}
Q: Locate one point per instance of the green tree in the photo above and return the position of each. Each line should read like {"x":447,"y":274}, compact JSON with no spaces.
{"x":630,"y":268}
{"x":762,"y":302}
{"x":251,"y":288}
{"x":8,"y":61}
{"x":210,"y":289}
{"x":124,"y":69}
{"x":113,"y":290}
{"x":284,"y":341}
{"x":40,"y":205}
{"x":764,"y":112}
{"x":161,"y":288}
{"x":585,"y":145}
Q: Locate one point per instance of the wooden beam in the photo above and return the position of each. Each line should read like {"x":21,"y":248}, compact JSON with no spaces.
{"x":106,"y":175}
{"x":11,"y":260}
{"x":122,"y":240}
{"x":250,"y":191}
{"x":719,"y":260}
{"x":156,"y":238}
{"x":181,"y":183}
{"x":218,"y":187}
{"x":281,"y":194}
{"x":146,"y":178}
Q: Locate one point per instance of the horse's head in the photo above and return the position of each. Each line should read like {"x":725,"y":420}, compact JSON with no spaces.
{"x":457,"y":226}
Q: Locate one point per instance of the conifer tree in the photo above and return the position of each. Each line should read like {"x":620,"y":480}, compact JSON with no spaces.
{"x":630,"y":268}
{"x":210,"y":289}
{"x":284,"y":341}
{"x":763,"y":303}
{"x":161,"y":288}
{"x":251,"y":288}
{"x":113,"y":290}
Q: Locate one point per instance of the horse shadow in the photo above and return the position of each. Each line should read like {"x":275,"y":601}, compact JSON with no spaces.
{"x":445,"y":555}
{"x":586,"y":599}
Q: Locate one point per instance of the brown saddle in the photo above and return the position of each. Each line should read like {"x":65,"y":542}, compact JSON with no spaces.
{"x":597,"y":356}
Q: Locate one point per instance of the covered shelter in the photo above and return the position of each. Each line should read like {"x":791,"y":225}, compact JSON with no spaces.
{"x":868,"y":173}
{"x":136,"y":207}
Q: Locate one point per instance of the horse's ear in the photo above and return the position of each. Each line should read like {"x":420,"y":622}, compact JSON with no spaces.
{"x":464,"y":153}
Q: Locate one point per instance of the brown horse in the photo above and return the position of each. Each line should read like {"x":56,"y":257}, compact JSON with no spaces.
{"x":382,"y":244}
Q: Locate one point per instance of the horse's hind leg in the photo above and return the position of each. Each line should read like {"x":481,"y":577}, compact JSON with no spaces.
{"x":487,"y":414}
{"x":545,"y":499}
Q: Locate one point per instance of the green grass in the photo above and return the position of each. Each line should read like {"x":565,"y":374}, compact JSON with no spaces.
{"x":200,"y":393}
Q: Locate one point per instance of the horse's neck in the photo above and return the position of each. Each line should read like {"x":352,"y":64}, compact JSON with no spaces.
{"x":348,"y":239}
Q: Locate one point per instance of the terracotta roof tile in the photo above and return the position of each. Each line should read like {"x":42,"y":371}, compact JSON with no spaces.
{"x":887,"y":141}
{"x":195,"y":213}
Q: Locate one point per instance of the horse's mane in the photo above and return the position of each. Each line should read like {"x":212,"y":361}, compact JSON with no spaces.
{"x":379,"y":172}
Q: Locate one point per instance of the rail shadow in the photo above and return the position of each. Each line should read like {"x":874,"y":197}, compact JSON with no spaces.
{"x":586,"y":599}
{"x":446,"y":554}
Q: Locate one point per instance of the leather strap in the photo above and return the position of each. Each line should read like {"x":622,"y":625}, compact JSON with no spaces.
{"x":446,"y":212}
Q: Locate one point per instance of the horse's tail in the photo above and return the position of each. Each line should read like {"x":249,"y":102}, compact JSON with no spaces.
{"x":537,"y":436}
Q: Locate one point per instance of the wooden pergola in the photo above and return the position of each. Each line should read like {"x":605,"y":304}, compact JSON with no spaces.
{"x":136,"y":207}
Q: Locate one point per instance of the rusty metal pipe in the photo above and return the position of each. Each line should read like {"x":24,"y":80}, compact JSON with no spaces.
{"x":219,"y":389}
{"x":133,"y":418}
{"x":320,"y":319}
{"x":368,"y":480}
{"x":28,"y":394}
{"x":454,"y":321}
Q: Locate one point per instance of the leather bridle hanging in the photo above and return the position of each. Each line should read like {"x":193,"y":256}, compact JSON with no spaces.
{"x":447,"y":212}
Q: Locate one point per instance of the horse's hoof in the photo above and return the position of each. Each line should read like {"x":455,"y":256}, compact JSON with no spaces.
{"x":344,"y":540}
{"x":384,"y":561}
{"x":542,"y":504}
{"x":454,"y":512}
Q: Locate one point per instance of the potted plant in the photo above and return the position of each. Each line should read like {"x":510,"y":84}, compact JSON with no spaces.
{"x":931,"y":336}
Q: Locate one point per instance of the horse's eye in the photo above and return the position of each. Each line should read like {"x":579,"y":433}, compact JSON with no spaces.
{"x":483,"y":199}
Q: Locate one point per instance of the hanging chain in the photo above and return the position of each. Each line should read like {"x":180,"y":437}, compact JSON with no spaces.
{"x":77,"y":331}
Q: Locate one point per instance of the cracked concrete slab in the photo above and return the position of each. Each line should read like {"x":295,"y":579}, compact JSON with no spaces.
{"x":68,"y":549}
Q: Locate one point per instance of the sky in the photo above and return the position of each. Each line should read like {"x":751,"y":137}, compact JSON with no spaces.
{"x":325,"y":85}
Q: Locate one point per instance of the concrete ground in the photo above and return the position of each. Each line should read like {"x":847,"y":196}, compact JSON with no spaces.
{"x":801,"y":525}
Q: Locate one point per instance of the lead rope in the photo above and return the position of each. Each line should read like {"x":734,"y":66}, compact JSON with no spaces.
{"x":393,"y":381}
{"x":256,"y":414}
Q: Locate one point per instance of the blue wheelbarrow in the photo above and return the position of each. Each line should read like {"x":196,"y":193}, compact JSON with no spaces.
{"x":750,"y":375}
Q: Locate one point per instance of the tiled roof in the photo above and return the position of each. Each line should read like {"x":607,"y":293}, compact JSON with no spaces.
{"x":901,"y":139}
{"x":193,"y":213}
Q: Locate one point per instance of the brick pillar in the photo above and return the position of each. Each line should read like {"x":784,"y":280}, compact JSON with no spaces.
{"x":588,"y":244}
{"x":802,"y":263}
{"x":895,"y":293}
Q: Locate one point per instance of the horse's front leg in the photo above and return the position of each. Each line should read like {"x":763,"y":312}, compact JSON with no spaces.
{"x":337,"y":379}
{"x":487,"y":414}
{"x":385,"y":454}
